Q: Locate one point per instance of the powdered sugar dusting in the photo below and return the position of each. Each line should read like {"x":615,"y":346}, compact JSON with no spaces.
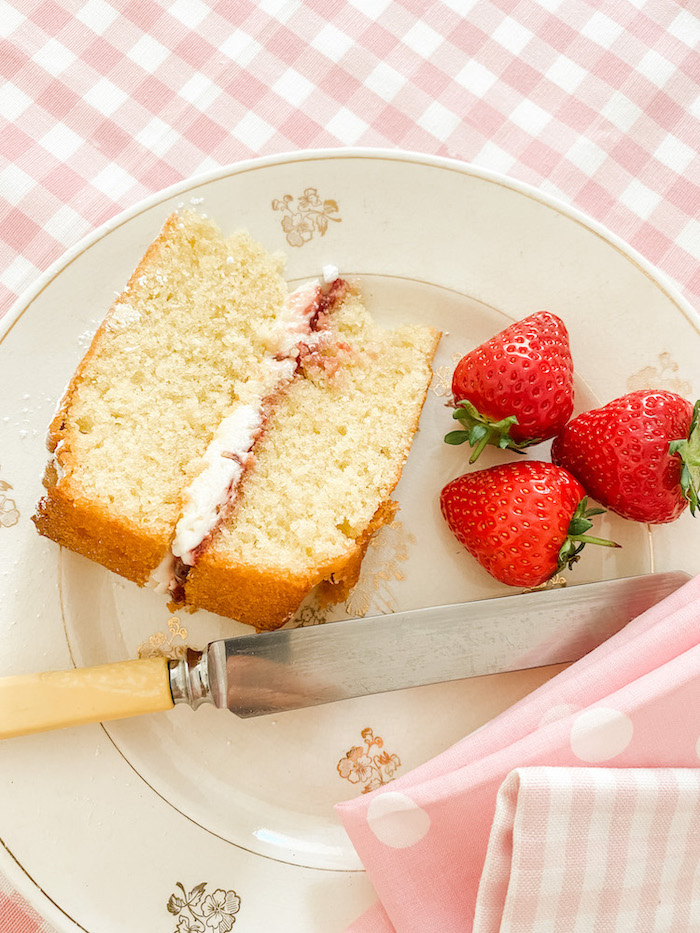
{"x":123,"y":315}
{"x":85,"y":339}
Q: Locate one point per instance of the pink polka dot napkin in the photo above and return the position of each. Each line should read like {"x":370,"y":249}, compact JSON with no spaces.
{"x":630,"y":704}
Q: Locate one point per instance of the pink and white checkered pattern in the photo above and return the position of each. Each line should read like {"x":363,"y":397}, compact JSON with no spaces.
{"x":592,"y":849}
{"x":103,"y":103}
{"x":15,"y":915}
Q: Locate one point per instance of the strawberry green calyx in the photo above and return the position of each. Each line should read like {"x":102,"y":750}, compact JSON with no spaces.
{"x":688,"y":450}
{"x":577,"y":538}
{"x":479,"y":430}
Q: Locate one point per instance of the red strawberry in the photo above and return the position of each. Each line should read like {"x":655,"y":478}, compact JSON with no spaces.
{"x":516,"y":389}
{"x":639,"y":455}
{"x":522,"y":521}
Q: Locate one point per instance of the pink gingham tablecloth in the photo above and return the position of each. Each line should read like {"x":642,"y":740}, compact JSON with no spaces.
{"x":103,"y":103}
{"x":592,"y":849}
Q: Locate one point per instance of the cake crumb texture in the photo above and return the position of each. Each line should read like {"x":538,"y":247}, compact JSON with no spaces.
{"x":163,"y":370}
{"x":192,"y":338}
{"x":325,"y":467}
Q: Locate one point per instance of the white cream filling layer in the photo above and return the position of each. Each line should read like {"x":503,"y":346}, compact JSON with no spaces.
{"x":295,"y":323}
{"x":223,"y":464}
{"x":329,"y":273}
{"x":224,"y":460}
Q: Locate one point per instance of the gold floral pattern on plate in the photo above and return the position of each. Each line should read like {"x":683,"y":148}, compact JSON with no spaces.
{"x":198,"y":912}
{"x":309,"y":216}
{"x":381,"y":569}
{"x":662,"y":376}
{"x":171,"y":644}
{"x":311,"y":613}
{"x":441,"y":384}
{"x":9,"y":513}
{"x":370,"y":764}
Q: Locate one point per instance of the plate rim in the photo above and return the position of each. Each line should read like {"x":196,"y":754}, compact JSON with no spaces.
{"x":659,"y":278}
{"x":38,"y":900}
{"x":18,"y":875}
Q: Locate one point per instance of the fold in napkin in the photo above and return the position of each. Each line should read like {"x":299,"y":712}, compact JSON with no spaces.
{"x":593,"y":849}
{"x":630,"y":703}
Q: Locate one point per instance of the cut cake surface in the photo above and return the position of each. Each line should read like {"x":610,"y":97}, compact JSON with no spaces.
{"x":323,"y":473}
{"x":163,"y":369}
{"x":319,"y":404}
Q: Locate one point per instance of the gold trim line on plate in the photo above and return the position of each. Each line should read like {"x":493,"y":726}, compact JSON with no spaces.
{"x":30,"y":878}
{"x":436,"y":162}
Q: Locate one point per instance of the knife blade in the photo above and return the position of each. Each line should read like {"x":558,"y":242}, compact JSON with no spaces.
{"x":254,"y":675}
{"x":272,"y":672}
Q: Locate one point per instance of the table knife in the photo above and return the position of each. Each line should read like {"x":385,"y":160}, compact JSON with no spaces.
{"x":273,"y":672}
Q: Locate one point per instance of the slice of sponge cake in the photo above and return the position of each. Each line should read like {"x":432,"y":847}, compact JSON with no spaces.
{"x":163,"y":370}
{"x":227,"y":442}
{"x":322,"y":475}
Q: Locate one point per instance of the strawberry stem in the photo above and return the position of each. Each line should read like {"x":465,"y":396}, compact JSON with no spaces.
{"x":478,"y":430}
{"x":688,"y":449}
{"x":485,"y":439}
{"x":577,"y":538}
{"x":589,"y":539}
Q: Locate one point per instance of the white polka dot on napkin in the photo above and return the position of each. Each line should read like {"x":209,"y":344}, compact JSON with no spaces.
{"x":396,"y":820}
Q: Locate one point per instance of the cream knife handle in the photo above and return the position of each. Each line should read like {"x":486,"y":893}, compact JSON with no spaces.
{"x":56,"y":699}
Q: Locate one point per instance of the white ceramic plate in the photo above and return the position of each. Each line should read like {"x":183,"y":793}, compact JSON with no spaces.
{"x":100,"y":826}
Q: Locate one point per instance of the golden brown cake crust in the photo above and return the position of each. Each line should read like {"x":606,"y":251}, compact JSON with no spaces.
{"x":268,"y":599}
{"x":82,"y":526}
{"x":75,"y":522}
{"x":252,"y":594}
